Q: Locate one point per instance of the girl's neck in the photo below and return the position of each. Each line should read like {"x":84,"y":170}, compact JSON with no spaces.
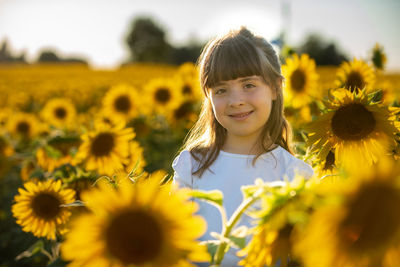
{"x":244,"y":146}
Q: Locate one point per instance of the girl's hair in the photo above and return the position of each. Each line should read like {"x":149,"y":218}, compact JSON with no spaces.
{"x":237,"y":54}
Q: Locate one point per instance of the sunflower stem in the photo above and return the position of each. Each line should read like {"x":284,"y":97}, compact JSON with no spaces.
{"x":219,"y":255}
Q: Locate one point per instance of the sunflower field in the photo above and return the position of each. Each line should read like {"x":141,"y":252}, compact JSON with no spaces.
{"x":85,"y":169}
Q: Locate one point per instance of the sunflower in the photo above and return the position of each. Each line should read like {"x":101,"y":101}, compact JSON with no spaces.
{"x":134,"y":226}
{"x":59,"y":112}
{"x":300,"y":80}
{"x":355,"y":75}
{"x":189,"y":86}
{"x":105,"y":149}
{"x":359,"y":226}
{"x":122,"y":102}
{"x":23,"y":125}
{"x":162,"y":96}
{"x":136,"y":161}
{"x":354,"y":127}
{"x":271,"y":243}
{"x":5,"y":148}
{"x":378,"y":57}
{"x":184,"y":114}
{"x":38,"y":208}
{"x":56,"y":153}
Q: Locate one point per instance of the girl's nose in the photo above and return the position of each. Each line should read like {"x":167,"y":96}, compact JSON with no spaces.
{"x":236,"y":99}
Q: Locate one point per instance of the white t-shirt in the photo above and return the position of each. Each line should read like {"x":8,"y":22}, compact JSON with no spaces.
{"x":228,"y":173}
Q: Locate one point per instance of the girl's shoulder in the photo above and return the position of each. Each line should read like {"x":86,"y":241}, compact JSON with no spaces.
{"x":182,"y":166}
{"x":291,"y":164}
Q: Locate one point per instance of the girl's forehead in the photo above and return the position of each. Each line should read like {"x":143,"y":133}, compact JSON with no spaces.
{"x":254,"y":78}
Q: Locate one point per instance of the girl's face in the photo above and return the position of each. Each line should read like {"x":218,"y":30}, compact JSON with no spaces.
{"x":242,"y":106}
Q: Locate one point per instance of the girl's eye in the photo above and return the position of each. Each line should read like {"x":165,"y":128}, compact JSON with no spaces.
{"x":219,"y":91}
{"x":249,"y":85}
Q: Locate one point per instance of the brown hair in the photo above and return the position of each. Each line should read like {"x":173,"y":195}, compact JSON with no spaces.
{"x":237,"y":54}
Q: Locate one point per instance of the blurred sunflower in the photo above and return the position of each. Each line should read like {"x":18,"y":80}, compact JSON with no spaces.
{"x":59,"y":112}
{"x":134,"y":226}
{"x":6,"y":149}
{"x":189,"y":87}
{"x":188,"y":70}
{"x":378,"y":57}
{"x":271,"y":243}
{"x":162,"y":96}
{"x":23,"y":125}
{"x":56,"y":153}
{"x":184,"y":114}
{"x":355,"y":75}
{"x":355,"y":128}
{"x":300,"y":86}
{"x":38,"y":208}
{"x":135,"y":158}
{"x":359,"y":226}
{"x":122,"y":102}
{"x":105,"y":149}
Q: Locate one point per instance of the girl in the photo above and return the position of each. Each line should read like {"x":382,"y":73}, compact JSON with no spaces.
{"x":241,"y":133}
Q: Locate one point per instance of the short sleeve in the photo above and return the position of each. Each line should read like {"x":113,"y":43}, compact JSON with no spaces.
{"x":182,"y":166}
{"x":299,"y":167}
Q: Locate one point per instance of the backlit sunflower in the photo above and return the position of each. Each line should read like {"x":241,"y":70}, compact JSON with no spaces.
{"x":38,"y":208}
{"x":59,"y":112}
{"x":360,"y":226}
{"x":134,"y":226}
{"x":356,"y":129}
{"x":300,"y":86}
{"x":162,"y":96}
{"x":122,"y":102}
{"x":355,"y":75}
{"x":23,"y":125}
{"x":105,"y":149}
{"x":271,"y":243}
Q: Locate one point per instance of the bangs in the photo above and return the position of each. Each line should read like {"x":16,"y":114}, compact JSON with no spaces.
{"x":231,"y":59}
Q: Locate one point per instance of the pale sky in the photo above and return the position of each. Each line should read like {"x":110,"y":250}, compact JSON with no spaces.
{"x":96,"y":29}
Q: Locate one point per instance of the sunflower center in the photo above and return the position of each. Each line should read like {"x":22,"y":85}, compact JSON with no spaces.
{"x":353,"y":122}
{"x":60,"y":113}
{"x":46,"y":206}
{"x":187,"y":90}
{"x":329,"y":161}
{"x":122,"y":104}
{"x":182,"y":111}
{"x":371,"y":221}
{"x":163,"y":95}
{"x":354,"y":81}
{"x":103,"y":144}
{"x":23,"y":127}
{"x":134,"y":237}
{"x":298,"y":80}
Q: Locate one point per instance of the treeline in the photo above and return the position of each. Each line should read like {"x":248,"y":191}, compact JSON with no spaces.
{"x":147,"y":41}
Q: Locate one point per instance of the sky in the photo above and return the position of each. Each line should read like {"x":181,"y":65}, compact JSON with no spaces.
{"x":96,"y":29}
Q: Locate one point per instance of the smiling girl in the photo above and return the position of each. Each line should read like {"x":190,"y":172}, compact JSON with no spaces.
{"x":241,"y":133}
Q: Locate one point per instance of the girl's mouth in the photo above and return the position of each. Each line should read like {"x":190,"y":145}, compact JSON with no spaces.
{"x":241,"y":116}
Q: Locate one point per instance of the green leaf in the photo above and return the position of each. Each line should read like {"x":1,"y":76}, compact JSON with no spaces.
{"x":213,"y":196}
{"x":212,"y":246}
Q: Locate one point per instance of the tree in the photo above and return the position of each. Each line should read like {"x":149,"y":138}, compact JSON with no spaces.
{"x":146,"y":42}
{"x":322,"y":52}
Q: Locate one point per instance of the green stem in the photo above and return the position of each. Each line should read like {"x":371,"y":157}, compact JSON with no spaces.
{"x":219,"y":255}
